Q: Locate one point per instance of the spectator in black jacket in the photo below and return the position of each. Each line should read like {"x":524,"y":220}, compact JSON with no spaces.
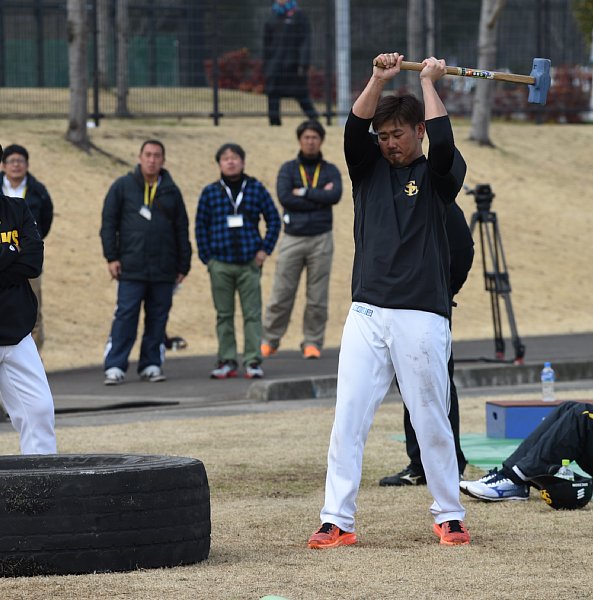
{"x":17,"y":182}
{"x":24,"y":390}
{"x":461,"y":246}
{"x":287,"y":56}
{"x":307,"y":188}
{"x":145,"y":241}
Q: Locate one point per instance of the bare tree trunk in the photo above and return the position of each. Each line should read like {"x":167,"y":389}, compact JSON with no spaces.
{"x":103,"y":31}
{"x":487,"y":44}
{"x":77,"y":69}
{"x":415,"y":44}
{"x":123,"y":33}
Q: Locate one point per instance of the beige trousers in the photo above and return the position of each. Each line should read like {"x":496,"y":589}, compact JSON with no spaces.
{"x":313,"y":253}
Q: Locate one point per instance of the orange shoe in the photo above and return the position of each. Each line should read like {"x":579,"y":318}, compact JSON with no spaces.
{"x":331,"y":536}
{"x":267,"y":350}
{"x":452,"y":533}
{"x":311,"y":352}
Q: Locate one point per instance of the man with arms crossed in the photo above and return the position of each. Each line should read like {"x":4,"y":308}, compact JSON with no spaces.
{"x":398,"y":323}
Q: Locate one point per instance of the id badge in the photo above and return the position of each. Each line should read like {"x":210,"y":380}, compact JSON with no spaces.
{"x":145,"y":212}
{"x":234,"y":221}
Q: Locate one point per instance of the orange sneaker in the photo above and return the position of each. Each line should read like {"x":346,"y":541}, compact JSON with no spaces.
{"x":331,"y":536}
{"x":452,"y":533}
{"x":311,"y":352}
{"x":267,"y":350}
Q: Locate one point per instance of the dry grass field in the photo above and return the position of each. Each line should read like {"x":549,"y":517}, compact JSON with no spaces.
{"x":541,"y":175}
{"x":266,"y":475}
{"x":266,"y":471}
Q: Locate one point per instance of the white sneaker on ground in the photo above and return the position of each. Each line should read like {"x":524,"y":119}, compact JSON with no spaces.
{"x":153,"y":374}
{"x":254,"y":371}
{"x":114,"y":376}
{"x":495,"y":487}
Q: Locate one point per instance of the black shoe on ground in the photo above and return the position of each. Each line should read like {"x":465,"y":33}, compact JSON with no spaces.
{"x":406,"y":477}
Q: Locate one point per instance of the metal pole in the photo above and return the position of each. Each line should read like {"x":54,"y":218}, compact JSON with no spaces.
{"x":215,"y":49}
{"x":40,"y":61}
{"x":342,"y":18}
{"x":328,"y":63}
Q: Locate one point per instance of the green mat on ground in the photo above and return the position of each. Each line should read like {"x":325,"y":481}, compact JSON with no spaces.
{"x":486,"y":452}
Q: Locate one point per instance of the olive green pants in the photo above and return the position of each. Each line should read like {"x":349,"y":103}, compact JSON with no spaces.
{"x":227,"y":279}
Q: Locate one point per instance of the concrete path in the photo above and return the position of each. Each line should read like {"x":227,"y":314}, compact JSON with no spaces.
{"x":288,"y":376}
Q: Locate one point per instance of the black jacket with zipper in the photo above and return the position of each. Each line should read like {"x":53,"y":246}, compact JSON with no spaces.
{"x":155,"y":249}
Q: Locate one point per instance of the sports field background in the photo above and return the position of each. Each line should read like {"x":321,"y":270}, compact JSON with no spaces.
{"x":266,"y":474}
{"x":541,"y":175}
{"x":267,"y":471}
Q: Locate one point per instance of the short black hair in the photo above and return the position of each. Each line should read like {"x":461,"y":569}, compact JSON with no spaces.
{"x":235,"y":148}
{"x":405,"y":109}
{"x":154,"y":142}
{"x":1,"y":152}
{"x":313,"y":125}
{"x":15,"y":149}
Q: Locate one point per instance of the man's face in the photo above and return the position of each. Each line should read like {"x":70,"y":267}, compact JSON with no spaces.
{"x":310,"y":142}
{"x":16,"y":166}
{"x":151,"y":160}
{"x":231,"y":164}
{"x":401,"y":143}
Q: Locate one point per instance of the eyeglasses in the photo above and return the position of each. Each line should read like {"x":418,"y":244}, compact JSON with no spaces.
{"x":15,"y":161}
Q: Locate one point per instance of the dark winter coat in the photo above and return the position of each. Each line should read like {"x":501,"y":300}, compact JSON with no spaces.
{"x":21,"y":258}
{"x":154,"y":250}
{"x":39,"y":202}
{"x":287,"y":54}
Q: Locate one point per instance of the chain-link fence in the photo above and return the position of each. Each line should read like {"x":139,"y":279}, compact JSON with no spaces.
{"x":204,"y":57}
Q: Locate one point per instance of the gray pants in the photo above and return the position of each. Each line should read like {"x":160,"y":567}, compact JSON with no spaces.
{"x":296,"y":253}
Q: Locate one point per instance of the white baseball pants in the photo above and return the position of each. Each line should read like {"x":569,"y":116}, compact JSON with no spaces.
{"x":25,"y":393}
{"x":378,"y":343}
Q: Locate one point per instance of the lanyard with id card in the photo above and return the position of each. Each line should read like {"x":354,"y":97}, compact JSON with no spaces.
{"x":149,"y":194}
{"x":236,"y":219}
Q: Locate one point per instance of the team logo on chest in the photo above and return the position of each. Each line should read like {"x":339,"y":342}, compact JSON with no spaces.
{"x":411,"y":189}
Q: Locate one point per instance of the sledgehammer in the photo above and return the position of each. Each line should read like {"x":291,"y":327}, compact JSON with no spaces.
{"x":538,"y":81}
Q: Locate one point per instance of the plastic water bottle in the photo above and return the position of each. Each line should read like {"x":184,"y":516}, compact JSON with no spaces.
{"x":565,"y":472}
{"x":547,"y":378}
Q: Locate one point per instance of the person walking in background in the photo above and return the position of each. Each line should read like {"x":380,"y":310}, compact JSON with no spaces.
{"x":230,"y":245}
{"x":24,"y":389}
{"x":286,"y":58}
{"x":145,"y":240}
{"x":398,"y":324}
{"x":461,"y":249}
{"x":17,"y":182}
{"x":307,"y":188}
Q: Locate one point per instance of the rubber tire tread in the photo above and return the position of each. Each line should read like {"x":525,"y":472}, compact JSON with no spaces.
{"x":75,"y":514}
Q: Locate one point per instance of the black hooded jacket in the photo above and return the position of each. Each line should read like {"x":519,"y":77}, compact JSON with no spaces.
{"x":21,"y":258}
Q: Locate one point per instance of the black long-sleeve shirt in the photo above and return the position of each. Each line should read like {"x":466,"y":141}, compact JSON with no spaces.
{"x":21,"y":258}
{"x":401,"y":257}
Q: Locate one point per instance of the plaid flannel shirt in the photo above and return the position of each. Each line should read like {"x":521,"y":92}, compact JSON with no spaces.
{"x":237,"y":245}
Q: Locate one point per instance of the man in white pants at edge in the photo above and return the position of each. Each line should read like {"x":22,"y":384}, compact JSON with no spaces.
{"x":24,"y":389}
{"x":399,"y":320}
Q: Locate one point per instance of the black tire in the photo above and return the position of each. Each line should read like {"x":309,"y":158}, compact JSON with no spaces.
{"x":72,"y":514}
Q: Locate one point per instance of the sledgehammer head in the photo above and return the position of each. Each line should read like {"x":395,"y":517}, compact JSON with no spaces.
{"x":538,"y":92}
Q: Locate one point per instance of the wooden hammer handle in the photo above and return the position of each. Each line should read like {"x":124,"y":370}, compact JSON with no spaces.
{"x":465,"y":72}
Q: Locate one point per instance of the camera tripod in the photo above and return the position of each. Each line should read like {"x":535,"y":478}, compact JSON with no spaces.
{"x":496,"y":277}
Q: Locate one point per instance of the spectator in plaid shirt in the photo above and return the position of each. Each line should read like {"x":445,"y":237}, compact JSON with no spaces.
{"x":230,"y":244}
